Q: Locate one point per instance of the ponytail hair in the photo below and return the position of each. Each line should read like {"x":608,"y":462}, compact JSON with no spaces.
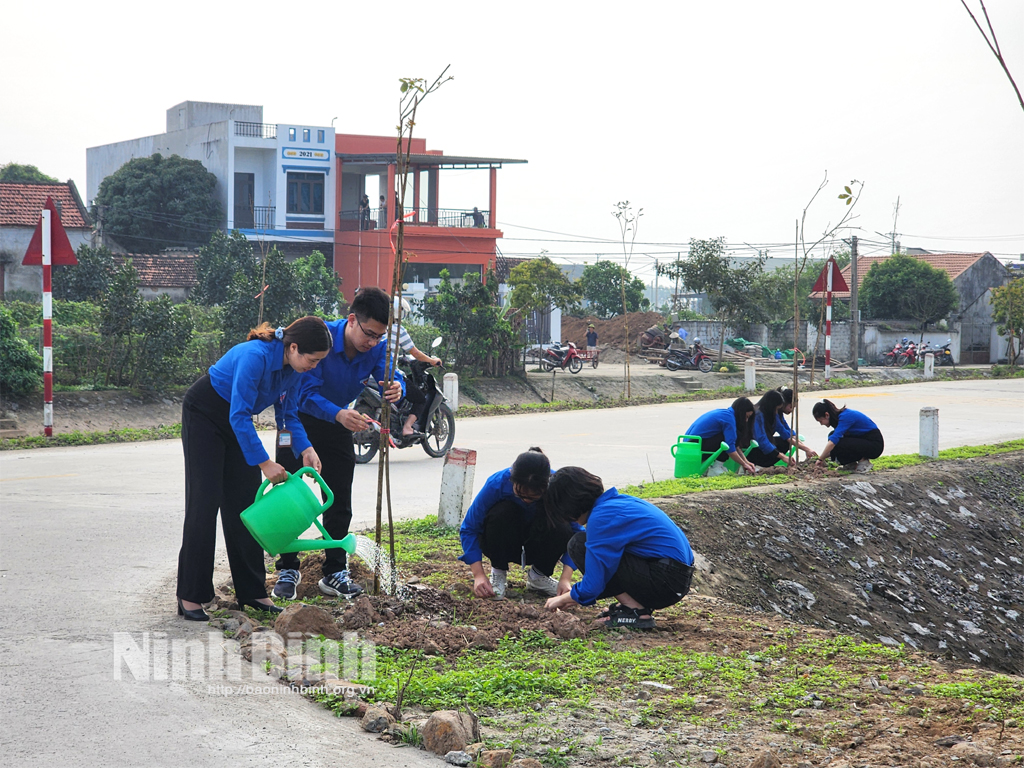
{"x":827,"y":407}
{"x":309,"y":333}
{"x":532,"y":470}
{"x":787,"y":395}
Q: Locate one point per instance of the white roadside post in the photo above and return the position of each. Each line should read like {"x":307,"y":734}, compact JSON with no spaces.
{"x":929,"y":432}
{"x":457,"y":477}
{"x":47,"y":326}
{"x":451,"y":390}
{"x":929,"y":365}
{"x":750,"y":375}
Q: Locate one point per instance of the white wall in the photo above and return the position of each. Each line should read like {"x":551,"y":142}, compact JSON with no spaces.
{"x":15,"y":240}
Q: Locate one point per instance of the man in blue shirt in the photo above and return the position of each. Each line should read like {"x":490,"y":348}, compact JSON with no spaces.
{"x":631,"y":550}
{"x":325,"y":393}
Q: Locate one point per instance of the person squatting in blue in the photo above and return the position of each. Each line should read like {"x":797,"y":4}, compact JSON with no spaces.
{"x":630,"y":550}
{"x":506,"y":523}
{"x":787,"y":409}
{"x":224,"y":455}
{"x":725,"y":425}
{"x":854,"y":440}
{"x":771,"y":432}
{"x":359,"y":352}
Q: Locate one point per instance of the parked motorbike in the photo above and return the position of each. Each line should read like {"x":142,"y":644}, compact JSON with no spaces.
{"x":694,"y":358}
{"x":437,"y":422}
{"x":891,"y":357}
{"x":655,"y":338}
{"x":943,"y":355}
{"x":557,"y":356}
{"x":908,"y":356}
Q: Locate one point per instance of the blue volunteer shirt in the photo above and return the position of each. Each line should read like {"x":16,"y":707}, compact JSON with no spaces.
{"x":337,"y":381}
{"x":851,"y":423}
{"x":721,"y":421}
{"x":252,"y":376}
{"x":765,"y":429}
{"x":498,"y":487}
{"x":782,"y":426}
{"x":620,"y":524}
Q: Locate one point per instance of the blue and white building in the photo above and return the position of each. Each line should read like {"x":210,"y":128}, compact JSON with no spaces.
{"x":273,"y":179}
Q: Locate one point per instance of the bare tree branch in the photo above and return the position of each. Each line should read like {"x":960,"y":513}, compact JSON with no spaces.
{"x":993,"y":45}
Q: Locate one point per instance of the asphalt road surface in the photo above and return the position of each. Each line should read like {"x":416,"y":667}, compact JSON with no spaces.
{"x":88,"y":549}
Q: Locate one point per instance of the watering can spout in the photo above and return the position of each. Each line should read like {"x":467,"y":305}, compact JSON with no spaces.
{"x":302,"y":545}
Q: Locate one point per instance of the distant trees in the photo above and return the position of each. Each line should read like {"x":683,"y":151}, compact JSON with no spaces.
{"x":603,"y":284}
{"x":21,"y":367}
{"x":19,"y":172}
{"x":152,"y":203}
{"x":538,"y":284}
{"x":87,"y":280}
{"x":902,"y":287}
{"x":1008,"y":311}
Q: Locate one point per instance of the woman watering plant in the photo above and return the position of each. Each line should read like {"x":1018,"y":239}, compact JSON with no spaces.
{"x":224,"y":456}
{"x":631,"y":550}
{"x":854,"y":440}
{"x":725,"y":425}
{"x":506,"y":523}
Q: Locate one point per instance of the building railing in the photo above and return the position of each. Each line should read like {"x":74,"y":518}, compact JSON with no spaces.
{"x":256,"y":130}
{"x":258,"y":217}
{"x":377,"y":218}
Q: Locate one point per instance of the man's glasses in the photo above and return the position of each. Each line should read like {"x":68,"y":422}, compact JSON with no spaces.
{"x":369,"y":336}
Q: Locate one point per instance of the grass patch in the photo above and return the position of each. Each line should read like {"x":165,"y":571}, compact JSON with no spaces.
{"x":128,"y":435}
{"x":680,"y":486}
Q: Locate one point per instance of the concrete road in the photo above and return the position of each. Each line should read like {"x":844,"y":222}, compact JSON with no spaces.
{"x":88,"y":546}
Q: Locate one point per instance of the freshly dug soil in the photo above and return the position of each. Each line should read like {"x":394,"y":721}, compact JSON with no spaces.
{"x":611,"y":332}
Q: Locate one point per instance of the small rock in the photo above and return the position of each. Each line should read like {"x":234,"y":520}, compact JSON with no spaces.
{"x":413,"y":580}
{"x":948,"y":741}
{"x":361,"y":615}
{"x":494,"y":758}
{"x":449,"y":731}
{"x":974,"y":753}
{"x":529,"y":612}
{"x":643,"y":695}
{"x":915,"y":712}
{"x":458,"y":757}
{"x":474,"y":749}
{"x":635,"y":720}
{"x":915,"y":690}
{"x":526,"y":762}
{"x":709,"y":757}
{"x":376,"y":720}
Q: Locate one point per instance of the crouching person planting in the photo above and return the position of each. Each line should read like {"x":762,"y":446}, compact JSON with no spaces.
{"x":630,"y":550}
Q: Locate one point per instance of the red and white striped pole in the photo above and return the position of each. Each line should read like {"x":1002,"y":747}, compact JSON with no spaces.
{"x":47,"y":328}
{"x":830,"y":265}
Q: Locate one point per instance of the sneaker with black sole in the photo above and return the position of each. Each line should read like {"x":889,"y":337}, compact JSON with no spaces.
{"x":499,"y":582}
{"x":630,"y":618}
{"x":339,"y":585}
{"x":287,"y":580}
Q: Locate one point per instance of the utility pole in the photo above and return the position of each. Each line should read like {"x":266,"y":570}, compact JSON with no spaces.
{"x":675,"y":296}
{"x":854,"y":312}
{"x":655,"y":284}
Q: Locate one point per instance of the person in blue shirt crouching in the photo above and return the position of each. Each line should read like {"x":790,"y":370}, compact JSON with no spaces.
{"x":359,"y":352}
{"x":506,"y":523}
{"x":630,"y":550}
{"x":854,"y":440}
{"x":224,"y":456}
{"x":725,"y":425}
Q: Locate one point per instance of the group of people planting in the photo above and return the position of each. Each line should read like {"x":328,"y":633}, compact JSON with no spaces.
{"x":311,"y":370}
{"x":759,"y":435}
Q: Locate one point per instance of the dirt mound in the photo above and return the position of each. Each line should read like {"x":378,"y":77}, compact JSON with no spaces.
{"x":611,"y":332}
{"x":929,"y":556}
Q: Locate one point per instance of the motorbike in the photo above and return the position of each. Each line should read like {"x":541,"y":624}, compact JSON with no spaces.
{"x":557,"y":356}
{"x":437,"y":422}
{"x":908,"y":356}
{"x":943,"y":355}
{"x":891,"y":357}
{"x":655,"y":338}
{"x":694,"y":358}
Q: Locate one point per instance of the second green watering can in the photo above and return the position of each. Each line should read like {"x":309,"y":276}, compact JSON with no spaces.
{"x":279,"y":516}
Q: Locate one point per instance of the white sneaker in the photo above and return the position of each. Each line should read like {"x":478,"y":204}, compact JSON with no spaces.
{"x":499,"y":579}
{"x":538,"y":582}
{"x":863,"y":467}
{"x":716,"y":468}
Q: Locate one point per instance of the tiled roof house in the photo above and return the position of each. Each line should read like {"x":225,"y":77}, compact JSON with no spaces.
{"x":170,"y":274}
{"x":20,"y":204}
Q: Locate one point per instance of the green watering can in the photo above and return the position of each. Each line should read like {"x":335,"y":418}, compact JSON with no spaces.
{"x":688,"y":457}
{"x":277,"y":518}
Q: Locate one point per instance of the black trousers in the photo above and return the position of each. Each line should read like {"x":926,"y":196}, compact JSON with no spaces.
{"x":654,"y":584}
{"x":217,"y":477}
{"x":769,"y":458}
{"x":333,"y":444}
{"x":853,"y":448}
{"x":508,"y":538}
{"x":709,"y":445}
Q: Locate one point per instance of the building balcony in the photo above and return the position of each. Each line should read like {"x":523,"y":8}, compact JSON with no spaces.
{"x":376,"y":218}
{"x":256,"y":130}
{"x":258,"y":217}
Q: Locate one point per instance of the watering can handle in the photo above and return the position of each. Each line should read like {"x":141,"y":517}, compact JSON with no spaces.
{"x":264,"y":486}
{"x":328,"y":493}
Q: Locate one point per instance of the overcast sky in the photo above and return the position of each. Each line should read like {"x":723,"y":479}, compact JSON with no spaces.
{"x":717,"y":118}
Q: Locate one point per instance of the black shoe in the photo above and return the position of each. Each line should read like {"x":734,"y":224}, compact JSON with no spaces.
{"x":259,"y":606}
{"x":197,"y":615}
{"x":339,"y":585}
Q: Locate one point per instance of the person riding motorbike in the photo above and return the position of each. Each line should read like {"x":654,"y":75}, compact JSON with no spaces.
{"x":413,"y":394}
